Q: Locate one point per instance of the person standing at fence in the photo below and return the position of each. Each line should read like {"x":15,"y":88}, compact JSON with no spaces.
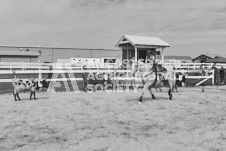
{"x":216,"y":74}
{"x":221,"y":72}
{"x":204,"y":72}
{"x":16,"y":89}
{"x":131,"y":62}
{"x":15,"y":81}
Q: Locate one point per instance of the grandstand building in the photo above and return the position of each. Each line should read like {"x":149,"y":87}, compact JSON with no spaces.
{"x":47,"y":54}
{"x":19,"y":56}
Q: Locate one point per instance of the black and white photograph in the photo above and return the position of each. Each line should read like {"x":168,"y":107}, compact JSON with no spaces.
{"x":112,"y":75}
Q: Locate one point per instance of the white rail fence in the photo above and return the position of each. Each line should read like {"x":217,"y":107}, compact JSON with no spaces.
{"x":60,"y":68}
{"x":26,"y":66}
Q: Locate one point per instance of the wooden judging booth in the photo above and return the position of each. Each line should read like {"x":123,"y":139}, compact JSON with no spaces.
{"x":140,"y":47}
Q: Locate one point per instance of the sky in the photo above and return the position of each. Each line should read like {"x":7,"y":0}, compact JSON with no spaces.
{"x":191,"y":27}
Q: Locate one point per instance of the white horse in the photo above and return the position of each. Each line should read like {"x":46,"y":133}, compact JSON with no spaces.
{"x":152,"y":78}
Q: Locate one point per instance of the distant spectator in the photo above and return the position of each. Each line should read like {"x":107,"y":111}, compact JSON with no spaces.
{"x":15,"y":81}
{"x":216,"y":73}
{"x":141,"y":60}
{"x":202,"y":70}
{"x":221,"y":72}
{"x":131,"y":62}
{"x":206,"y":71}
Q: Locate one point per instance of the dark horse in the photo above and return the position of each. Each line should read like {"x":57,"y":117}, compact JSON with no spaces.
{"x":152,"y":78}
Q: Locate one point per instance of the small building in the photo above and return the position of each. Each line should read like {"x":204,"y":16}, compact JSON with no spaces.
{"x":202,"y":58}
{"x":140,"y":47}
{"x":217,"y":59}
{"x":19,"y":56}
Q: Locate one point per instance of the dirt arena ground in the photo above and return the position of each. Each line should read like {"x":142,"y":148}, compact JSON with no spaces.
{"x":67,"y":121}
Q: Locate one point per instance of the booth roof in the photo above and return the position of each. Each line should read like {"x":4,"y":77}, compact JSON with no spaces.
{"x":143,"y":40}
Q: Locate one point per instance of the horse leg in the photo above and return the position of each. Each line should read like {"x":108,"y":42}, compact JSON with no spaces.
{"x":18,"y":96}
{"x":34,"y":95}
{"x":140,"y":99}
{"x":141,"y":96}
{"x":31,"y":95}
{"x":176,"y":88}
{"x":203,"y":88}
{"x":152,"y":95}
{"x":14,"y":93}
{"x":170,"y":94}
{"x":14,"y":96}
{"x":160,"y":89}
{"x":146,"y":86}
{"x":171,"y":87}
{"x":142,"y":93}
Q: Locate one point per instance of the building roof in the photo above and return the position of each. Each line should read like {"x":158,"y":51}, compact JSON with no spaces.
{"x":178,"y":57}
{"x":66,"y":48}
{"x":207,"y":55}
{"x":18,"y":53}
{"x":217,"y":59}
{"x":142,"y":40}
{"x":210,"y":55}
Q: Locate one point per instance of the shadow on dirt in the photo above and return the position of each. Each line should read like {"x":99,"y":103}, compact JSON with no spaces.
{"x":148,"y":99}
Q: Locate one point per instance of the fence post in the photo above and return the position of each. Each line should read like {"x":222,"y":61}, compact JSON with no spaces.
{"x":213,"y":77}
{"x":22,"y":65}
{"x":39,"y":74}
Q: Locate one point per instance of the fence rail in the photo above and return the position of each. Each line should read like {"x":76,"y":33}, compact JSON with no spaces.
{"x":39,"y":69}
{"x":46,"y":66}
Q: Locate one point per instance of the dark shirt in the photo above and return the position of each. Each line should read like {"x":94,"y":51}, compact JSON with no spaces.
{"x":155,"y":67}
{"x":221,"y":72}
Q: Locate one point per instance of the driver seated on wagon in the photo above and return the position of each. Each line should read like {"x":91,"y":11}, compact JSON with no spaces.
{"x":155,"y":67}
